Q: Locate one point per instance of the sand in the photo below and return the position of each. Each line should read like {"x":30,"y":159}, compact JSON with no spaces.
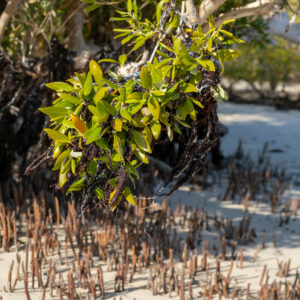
{"x":254,"y":125}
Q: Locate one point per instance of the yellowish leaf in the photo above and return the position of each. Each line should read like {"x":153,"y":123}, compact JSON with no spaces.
{"x":79,"y":124}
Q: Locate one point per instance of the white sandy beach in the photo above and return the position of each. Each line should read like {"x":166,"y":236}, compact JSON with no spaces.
{"x":254,"y":125}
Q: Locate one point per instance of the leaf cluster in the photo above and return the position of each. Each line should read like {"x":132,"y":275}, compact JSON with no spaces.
{"x":104,"y":128}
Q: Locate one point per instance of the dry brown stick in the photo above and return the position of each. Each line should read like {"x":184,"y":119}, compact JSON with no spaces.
{"x":263,"y":275}
{"x":10,"y":275}
{"x":26,"y":283}
{"x":182,"y":294}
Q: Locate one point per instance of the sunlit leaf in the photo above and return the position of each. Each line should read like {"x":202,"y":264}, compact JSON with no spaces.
{"x":54,"y":111}
{"x":141,"y":155}
{"x":76,"y":186}
{"x":128,"y":196}
{"x":92,"y":134}
{"x":56,"y":136}
{"x":70,"y":98}
{"x":100,"y":94}
{"x":146,"y":79}
{"x":140,"y":141}
{"x":59,"y":86}
{"x":60,"y":159}
{"x":87,"y":88}
{"x":154,"y":107}
{"x":122,"y":59}
{"x":156,"y":129}
{"x":96,"y":72}
{"x":118,"y":124}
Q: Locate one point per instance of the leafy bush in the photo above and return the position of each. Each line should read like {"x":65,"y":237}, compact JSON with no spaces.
{"x":104,"y":129}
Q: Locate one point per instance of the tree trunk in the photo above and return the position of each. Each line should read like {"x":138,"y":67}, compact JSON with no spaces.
{"x":9,"y":11}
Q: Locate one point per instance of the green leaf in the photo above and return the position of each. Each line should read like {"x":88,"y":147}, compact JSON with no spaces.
{"x":118,"y":124}
{"x":62,"y":179}
{"x":60,"y":159}
{"x":157,"y":76}
{"x":206,"y":64}
{"x":156,"y":129}
{"x":92,"y":134}
{"x":54,"y":111}
{"x":92,"y":168}
{"x":87,"y":88}
{"x":135,"y":107}
{"x":100,"y":94}
{"x":177,"y":45}
{"x":56,"y":136}
{"x":222,"y":93}
{"x":125,"y":114}
{"x":141,"y":155}
{"x":174,"y":23}
{"x":99,"y":112}
{"x":127,"y":39}
{"x":73,"y":166}
{"x":170,"y":133}
{"x":228,"y":54}
{"x":59,"y":86}
{"x":76,"y":186}
{"x":163,"y":63}
{"x":92,"y":7}
{"x":154,"y":107}
{"x":211,"y":22}
{"x":135,"y":10}
{"x":112,"y":74}
{"x":100,"y":193}
{"x":146,"y":80}
{"x":141,"y":141}
{"x":121,"y":35}
{"x":140,"y":42}
{"x":185,"y":109}
{"x":198,"y":103}
{"x":96,"y":72}
{"x":109,"y":108}
{"x":103,"y":144}
{"x":122,"y":59}
{"x":108,"y":60}
{"x":158,"y":93}
{"x":110,"y":84}
{"x":166,"y":47}
{"x":158,"y":12}
{"x":70,"y":98}
{"x":118,"y":146}
{"x":64,"y":169}
{"x":128,"y":196}
{"x":189,"y":88}
{"x":129,"y":6}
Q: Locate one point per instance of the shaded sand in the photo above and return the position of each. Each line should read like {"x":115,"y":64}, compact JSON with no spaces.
{"x":277,"y":238}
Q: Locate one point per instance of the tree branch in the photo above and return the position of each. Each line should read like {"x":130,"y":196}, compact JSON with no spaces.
{"x":9,"y":11}
{"x":191,"y":12}
{"x":207,"y":7}
{"x":259,"y":7}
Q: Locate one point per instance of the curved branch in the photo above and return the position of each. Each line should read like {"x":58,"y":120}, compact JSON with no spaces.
{"x":252,"y":9}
